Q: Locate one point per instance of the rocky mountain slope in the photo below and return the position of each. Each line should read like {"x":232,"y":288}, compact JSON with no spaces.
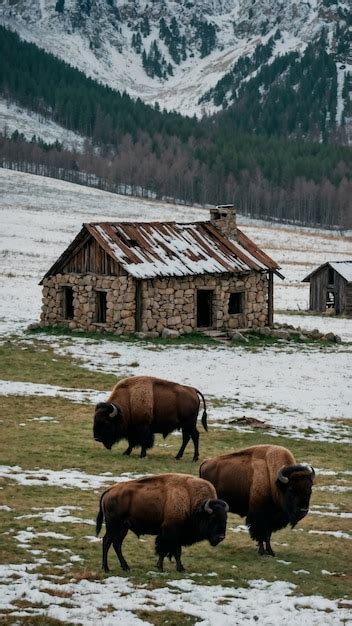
{"x":188,"y":56}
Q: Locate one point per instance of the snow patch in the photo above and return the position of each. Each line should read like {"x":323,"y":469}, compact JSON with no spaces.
{"x":115,"y":599}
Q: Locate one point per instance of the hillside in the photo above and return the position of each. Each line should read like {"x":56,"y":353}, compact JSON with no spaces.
{"x":149,"y":152}
{"x":200,"y":59}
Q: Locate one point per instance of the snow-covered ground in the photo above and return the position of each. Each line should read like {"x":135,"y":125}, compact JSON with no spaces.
{"x":116,"y":598}
{"x":13,"y":117}
{"x":113,"y":600}
{"x":290,"y":389}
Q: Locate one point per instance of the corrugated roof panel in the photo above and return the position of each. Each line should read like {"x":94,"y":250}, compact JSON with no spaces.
{"x":148,"y":250}
{"x":344,"y":268}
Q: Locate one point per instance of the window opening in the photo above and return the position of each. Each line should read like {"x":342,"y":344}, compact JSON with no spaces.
{"x":236,"y":301}
{"x":101,"y":307}
{"x":68,"y":309}
{"x":330,"y":300}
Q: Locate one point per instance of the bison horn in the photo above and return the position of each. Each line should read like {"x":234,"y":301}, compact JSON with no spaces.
{"x":312,"y":471}
{"x":207,"y":507}
{"x":286,"y":470}
{"x":226,"y":506}
{"x":307,"y":468}
{"x":114,"y":411}
{"x":280,"y":475}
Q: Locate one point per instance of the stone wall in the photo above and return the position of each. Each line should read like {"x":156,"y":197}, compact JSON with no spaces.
{"x":120,"y":301}
{"x":166,"y":303}
{"x":172,"y":302}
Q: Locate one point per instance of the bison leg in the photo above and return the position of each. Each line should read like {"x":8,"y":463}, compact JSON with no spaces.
{"x":160,"y":563}
{"x":264,"y":548}
{"x":195,"y":439}
{"x":117,"y":543}
{"x":146,"y":440}
{"x":259,"y":529}
{"x":107,"y":541}
{"x":161,"y":550}
{"x":168,"y":546}
{"x":268,"y":548}
{"x":128,"y":450}
{"x":177,"y":554}
{"x":185,"y":439}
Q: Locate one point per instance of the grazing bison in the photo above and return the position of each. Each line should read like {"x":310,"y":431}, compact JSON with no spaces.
{"x":179,"y":509}
{"x":140,"y":406}
{"x":265,"y":484}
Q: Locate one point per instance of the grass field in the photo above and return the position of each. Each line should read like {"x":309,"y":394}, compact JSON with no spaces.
{"x":53,"y":472}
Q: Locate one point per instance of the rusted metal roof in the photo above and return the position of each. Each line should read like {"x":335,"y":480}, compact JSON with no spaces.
{"x":148,"y":250}
{"x":161,"y":249}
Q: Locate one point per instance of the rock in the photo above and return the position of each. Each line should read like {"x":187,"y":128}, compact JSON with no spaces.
{"x":265,"y":330}
{"x":250,"y":421}
{"x":34,"y":326}
{"x":329,"y":312}
{"x":237,"y":337}
{"x":280,"y":333}
{"x":331,"y":337}
{"x":168,"y":333}
{"x":315,"y":334}
{"x":295,"y":333}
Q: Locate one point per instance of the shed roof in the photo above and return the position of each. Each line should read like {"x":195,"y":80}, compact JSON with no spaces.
{"x":344,"y":268}
{"x":161,"y":249}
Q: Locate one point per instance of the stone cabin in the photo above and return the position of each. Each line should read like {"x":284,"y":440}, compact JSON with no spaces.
{"x":330,"y":287}
{"x":145,"y":277}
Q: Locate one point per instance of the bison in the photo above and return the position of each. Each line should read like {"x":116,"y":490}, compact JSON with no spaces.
{"x":265,"y":484}
{"x":140,"y":406}
{"x":179,"y":509}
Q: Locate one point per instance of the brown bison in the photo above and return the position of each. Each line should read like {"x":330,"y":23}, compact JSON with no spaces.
{"x":179,"y":509}
{"x":265,"y":484}
{"x":140,"y":406}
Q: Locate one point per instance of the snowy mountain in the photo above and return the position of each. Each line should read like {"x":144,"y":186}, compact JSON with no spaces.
{"x":175,"y":53}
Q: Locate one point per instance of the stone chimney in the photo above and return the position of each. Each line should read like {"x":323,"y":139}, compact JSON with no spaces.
{"x":223,"y":217}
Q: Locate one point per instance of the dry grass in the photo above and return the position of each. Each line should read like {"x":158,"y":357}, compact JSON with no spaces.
{"x":69,"y":444}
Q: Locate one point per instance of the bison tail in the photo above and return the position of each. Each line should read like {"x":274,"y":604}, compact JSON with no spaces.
{"x":204,"y":420}
{"x":100,"y":516}
{"x":205,"y":414}
{"x":99,"y":522}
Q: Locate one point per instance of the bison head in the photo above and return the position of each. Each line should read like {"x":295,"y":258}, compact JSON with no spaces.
{"x":108,"y":427}
{"x":295,"y":483}
{"x":212,"y":518}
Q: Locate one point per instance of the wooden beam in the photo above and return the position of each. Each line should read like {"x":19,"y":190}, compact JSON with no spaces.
{"x":271,"y":298}
{"x":139,"y":303}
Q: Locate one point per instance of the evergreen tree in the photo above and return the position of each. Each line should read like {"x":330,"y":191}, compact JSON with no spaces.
{"x":185,"y":158}
{"x":60,"y":6}
{"x":137,"y":42}
{"x":145,"y":26}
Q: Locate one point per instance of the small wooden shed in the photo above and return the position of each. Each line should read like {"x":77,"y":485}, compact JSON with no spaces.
{"x":145,"y":277}
{"x":331,"y":287}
